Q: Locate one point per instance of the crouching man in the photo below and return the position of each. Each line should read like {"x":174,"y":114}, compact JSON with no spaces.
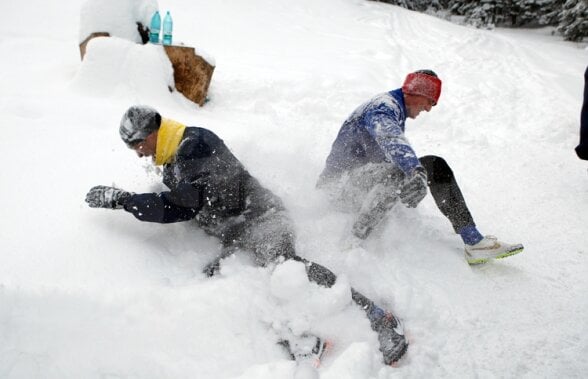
{"x":372,"y":167}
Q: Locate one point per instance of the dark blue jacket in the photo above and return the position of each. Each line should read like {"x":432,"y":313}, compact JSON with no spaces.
{"x":206,"y":183}
{"x":582,"y":148}
{"x":373,"y":133}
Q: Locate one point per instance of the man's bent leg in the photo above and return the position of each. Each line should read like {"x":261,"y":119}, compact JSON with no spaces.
{"x":447,"y":195}
{"x":377,"y":203}
{"x":393,"y":343}
{"x":446,"y":192}
{"x":376,"y":185}
{"x":272,"y":239}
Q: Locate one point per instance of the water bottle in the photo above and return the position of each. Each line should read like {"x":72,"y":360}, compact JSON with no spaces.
{"x":155,"y":28}
{"x":168,"y":26}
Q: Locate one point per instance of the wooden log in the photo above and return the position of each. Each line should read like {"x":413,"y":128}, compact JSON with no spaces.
{"x":85,"y":42}
{"x":192,"y":73}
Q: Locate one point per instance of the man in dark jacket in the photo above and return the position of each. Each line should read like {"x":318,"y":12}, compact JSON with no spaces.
{"x":582,"y":148}
{"x":372,"y":167}
{"x":209,"y":185}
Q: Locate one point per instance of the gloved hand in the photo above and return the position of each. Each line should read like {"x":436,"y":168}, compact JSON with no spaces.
{"x":107,"y":197}
{"x":414,"y":188}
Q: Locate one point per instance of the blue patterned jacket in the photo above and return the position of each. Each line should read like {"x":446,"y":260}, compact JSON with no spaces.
{"x":373,"y":133}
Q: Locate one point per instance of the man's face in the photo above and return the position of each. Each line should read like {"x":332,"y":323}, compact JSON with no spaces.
{"x":147,"y":147}
{"x":415,"y":104}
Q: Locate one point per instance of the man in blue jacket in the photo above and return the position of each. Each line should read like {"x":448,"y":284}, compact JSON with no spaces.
{"x":372,"y":167}
{"x":209,"y":185}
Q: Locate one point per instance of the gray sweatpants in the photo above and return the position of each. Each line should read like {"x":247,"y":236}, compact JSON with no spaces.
{"x":368,"y":192}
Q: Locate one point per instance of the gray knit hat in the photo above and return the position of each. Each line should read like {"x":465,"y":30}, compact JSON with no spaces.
{"x":137,"y":123}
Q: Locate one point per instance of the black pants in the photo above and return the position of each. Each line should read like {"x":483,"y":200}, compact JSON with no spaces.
{"x":446,"y":192}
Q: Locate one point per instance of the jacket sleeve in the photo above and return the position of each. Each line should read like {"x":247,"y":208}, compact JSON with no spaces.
{"x":384,"y":125}
{"x":158,"y":207}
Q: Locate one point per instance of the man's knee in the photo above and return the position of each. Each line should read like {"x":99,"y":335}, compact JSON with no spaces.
{"x":317,"y":273}
{"x":384,"y":173}
{"x":273,"y":251}
{"x":320,"y":275}
{"x":438,"y":171}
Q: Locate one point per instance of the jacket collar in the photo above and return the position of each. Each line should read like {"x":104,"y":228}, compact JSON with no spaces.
{"x":168,"y":139}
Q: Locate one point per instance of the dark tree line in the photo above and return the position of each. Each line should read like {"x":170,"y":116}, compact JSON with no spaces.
{"x":569,"y":17}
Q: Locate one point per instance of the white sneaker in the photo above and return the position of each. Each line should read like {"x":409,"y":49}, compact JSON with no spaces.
{"x":490,"y":248}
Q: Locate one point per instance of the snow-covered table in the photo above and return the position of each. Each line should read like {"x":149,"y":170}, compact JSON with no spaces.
{"x":192,"y":72}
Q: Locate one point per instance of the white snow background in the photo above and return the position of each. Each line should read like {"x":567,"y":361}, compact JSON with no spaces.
{"x":88,"y":293}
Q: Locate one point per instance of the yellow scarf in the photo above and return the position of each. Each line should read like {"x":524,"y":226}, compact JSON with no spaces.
{"x":168,"y":138}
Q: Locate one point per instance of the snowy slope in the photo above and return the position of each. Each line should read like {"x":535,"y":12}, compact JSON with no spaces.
{"x":95,"y":293}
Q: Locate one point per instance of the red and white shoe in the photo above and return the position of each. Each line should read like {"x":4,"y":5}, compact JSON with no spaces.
{"x":307,"y":349}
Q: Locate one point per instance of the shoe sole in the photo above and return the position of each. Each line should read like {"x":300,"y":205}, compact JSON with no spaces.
{"x":396,"y":363}
{"x":326,"y":348}
{"x":503,"y":255}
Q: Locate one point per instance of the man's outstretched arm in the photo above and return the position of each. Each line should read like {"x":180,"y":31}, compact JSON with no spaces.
{"x":151,"y":207}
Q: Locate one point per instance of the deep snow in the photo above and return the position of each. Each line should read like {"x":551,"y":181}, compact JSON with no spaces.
{"x":95,"y":293}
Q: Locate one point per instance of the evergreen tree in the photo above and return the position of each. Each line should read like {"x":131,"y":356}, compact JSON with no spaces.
{"x":415,"y":5}
{"x":573,"y":20}
{"x":570,"y":17}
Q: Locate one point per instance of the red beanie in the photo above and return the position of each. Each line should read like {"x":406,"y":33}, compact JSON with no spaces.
{"x":423,"y":83}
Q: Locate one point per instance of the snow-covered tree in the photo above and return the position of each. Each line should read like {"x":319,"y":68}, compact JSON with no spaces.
{"x":416,"y":5}
{"x":570,"y":17}
{"x":573,"y":20}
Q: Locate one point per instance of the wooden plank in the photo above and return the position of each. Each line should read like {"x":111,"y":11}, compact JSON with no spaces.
{"x":192,"y":73}
{"x":85,"y":42}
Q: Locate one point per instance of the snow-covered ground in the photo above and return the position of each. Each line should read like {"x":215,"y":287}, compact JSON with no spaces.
{"x":88,"y":293}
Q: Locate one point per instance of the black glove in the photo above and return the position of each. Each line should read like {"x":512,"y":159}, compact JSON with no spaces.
{"x":107,"y":197}
{"x":414,"y":188}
